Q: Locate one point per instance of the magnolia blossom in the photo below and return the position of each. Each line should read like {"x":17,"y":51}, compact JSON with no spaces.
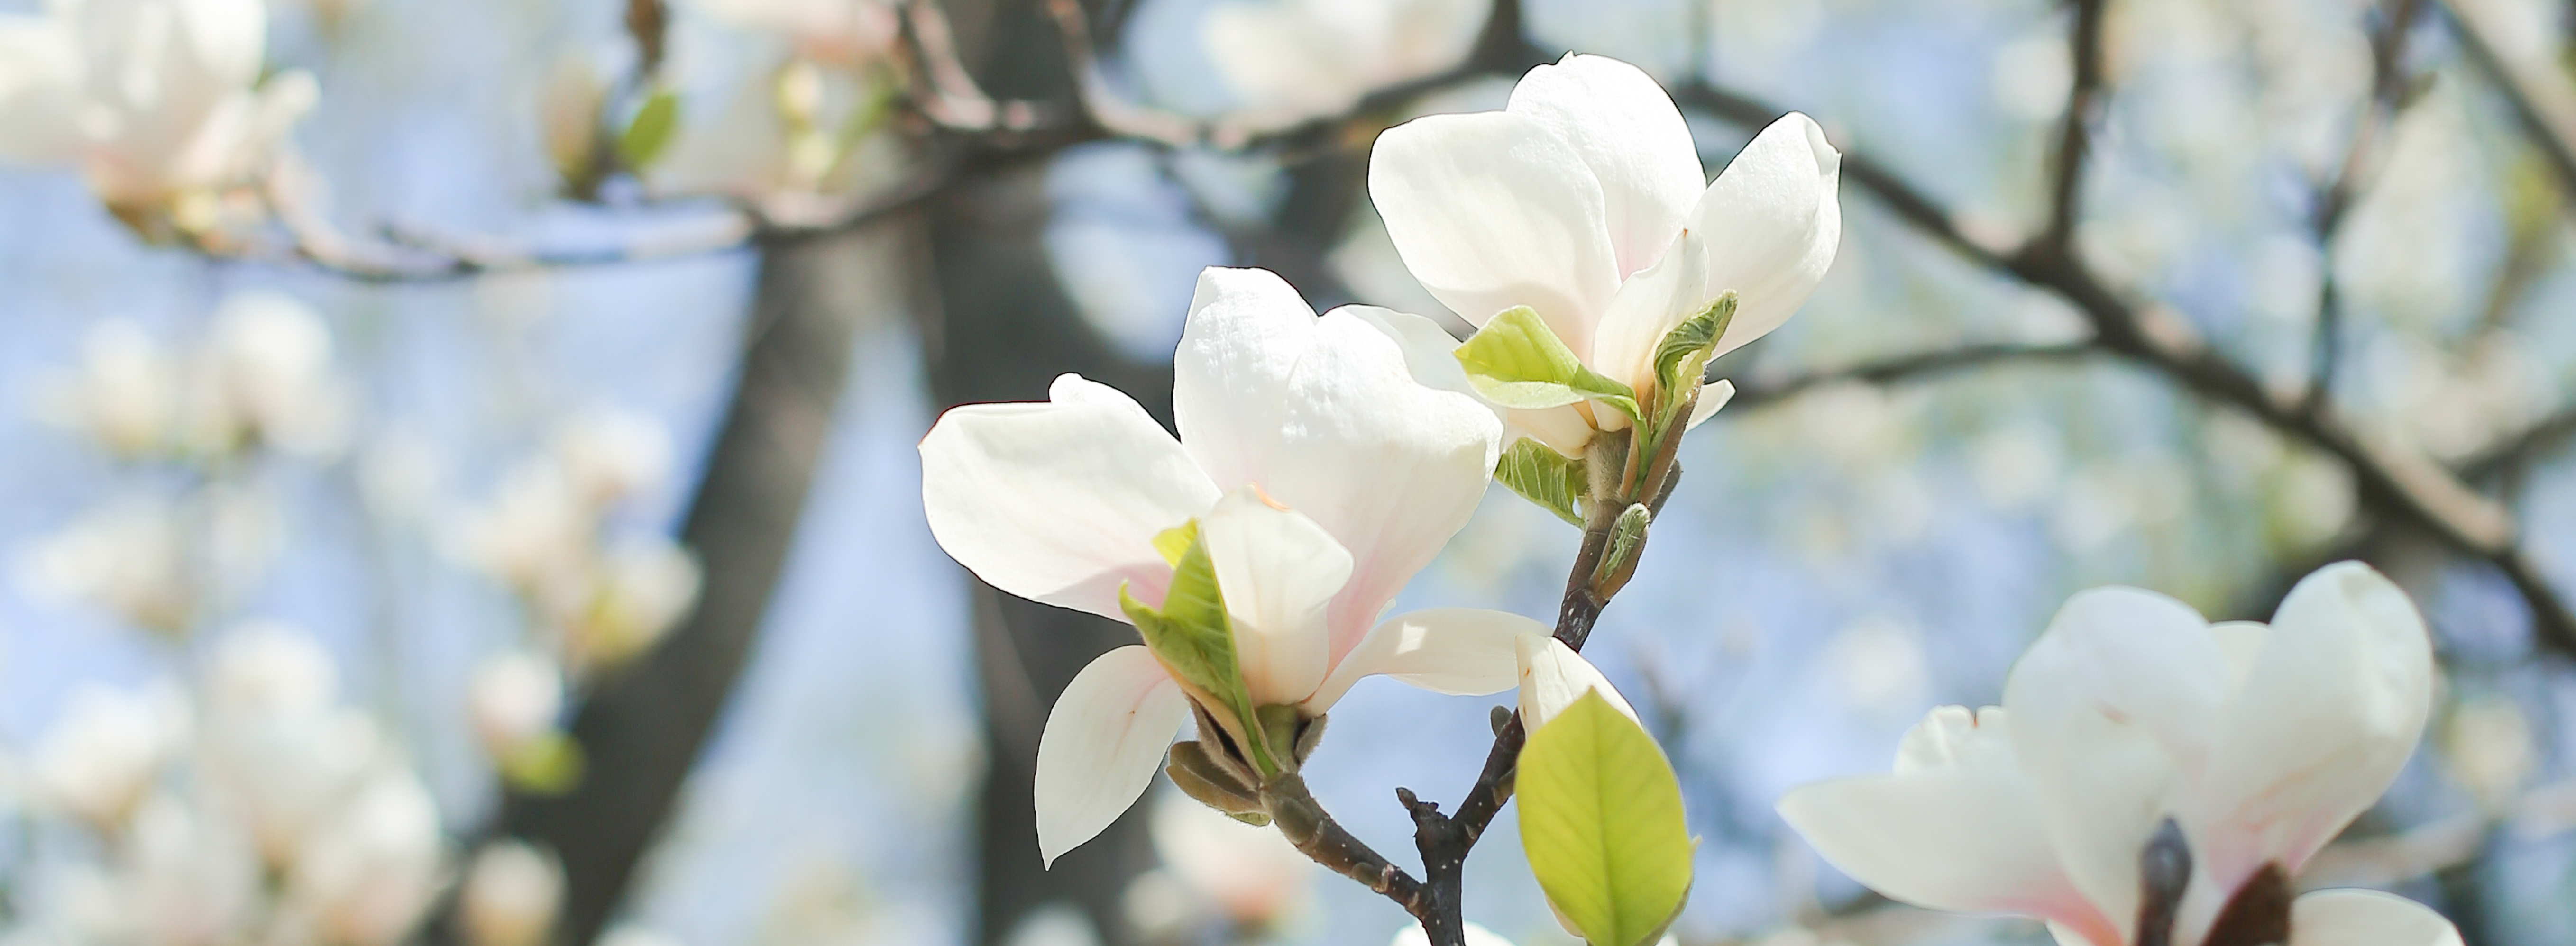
{"x":2149,"y":765}
{"x":181,"y":875}
{"x":373,"y":869}
{"x":274,"y":743}
{"x":108,"y":750}
{"x":263,"y":376}
{"x":1583,"y":200}
{"x":1321,"y":475}
{"x":511,"y":895}
{"x":155,"y":101}
{"x":514,"y":699}
{"x":1288,"y":61}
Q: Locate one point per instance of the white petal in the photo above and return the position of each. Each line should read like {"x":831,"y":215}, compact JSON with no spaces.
{"x":2110,"y":709}
{"x":2366,"y":918}
{"x":1648,"y":306}
{"x":1553,"y":676}
{"x":1967,"y":842}
{"x":1490,"y":210}
{"x":1389,"y":467}
{"x":1103,"y":741}
{"x":1711,"y":398}
{"x":39,"y":90}
{"x":1563,"y":429}
{"x":1772,"y":222}
{"x":1628,"y":132}
{"x":1279,"y":572}
{"x":1059,"y":502}
{"x":2329,"y":711}
{"x":1950,"y":738}
{"x":1459,"y":651}
{"x":1247,"y":330}
{"x":1430,"y":352}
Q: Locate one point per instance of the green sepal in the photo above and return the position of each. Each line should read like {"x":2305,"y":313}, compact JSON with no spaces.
{"x":1552,"y":480}
{"x":1517,"y":361}
{"x":1685,"y":350}
{"x":1216,"y":785}
{"x":1601,"y":821}
{"x":1192,"y":637}
{"x":650,"y":130}
{"x":1171,"y":543}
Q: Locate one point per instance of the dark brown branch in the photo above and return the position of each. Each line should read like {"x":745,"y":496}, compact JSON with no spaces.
{"x":2335,"y":195}
{"x":2084,"y":100}
{"x":2390,"y":479}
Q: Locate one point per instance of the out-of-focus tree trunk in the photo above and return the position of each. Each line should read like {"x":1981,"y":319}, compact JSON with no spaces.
{"x":642,"y":728}
{"x":1002,"y":330}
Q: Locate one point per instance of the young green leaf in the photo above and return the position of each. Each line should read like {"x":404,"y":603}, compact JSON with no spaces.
{"x":1192,"y":637}
{"x":1517,"y":361}
{"x":651,"y":129}
{"x":1685,"y":349}
{"x":1601,"y":820}
{"x":1541,"y":475}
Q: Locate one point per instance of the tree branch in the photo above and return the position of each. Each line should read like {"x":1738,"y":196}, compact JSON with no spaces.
{"x":2334,"y":196}
{"x":2539,"y":90}
{"x":2084,"y":100}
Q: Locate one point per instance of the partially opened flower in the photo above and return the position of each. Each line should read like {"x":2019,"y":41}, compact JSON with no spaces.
{"x":1583,"y":201}
{"x":159,"y":103}
{"x":2155,"y":779}
{"x":1320,"y":475}
{"x":1553,"y":676}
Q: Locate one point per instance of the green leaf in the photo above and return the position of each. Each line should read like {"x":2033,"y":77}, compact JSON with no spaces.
{"x":1685,"y":349}
{"x":651,"y":129}
{"x":1173,"y":542}
{"x":1192,"y":637}
{"x":1517,"y":361}
{"x":1541,"y":475}
{"x":1601,"y":820}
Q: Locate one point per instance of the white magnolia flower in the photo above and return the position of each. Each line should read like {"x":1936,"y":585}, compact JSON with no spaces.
{"x":181,"y":877}
{"x":269,"y":366}
{"x":154,"y":100}
{"x":1253,"y":874}
{"x":124,"y":394}
{"x":610,"y":456}
{"x":1583,"y":200}
{"x":369,"y":872}
{"x":1553,"y":676}
{"x":639,"y":590}
{"x":107,"y":751}
{"x":274,"y":744}
{"x":511,"y":895}
{"x":2133,"y":733}
{"x":127,"y":557}
{"x":514,"y":698}
{"x":1322,"y":475}
{"x":1289,"y":61}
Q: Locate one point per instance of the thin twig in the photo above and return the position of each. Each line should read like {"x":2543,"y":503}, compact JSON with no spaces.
{"x":2335,"y":195}
{"x":2539,"y":90}
{"x":2084,"y":102}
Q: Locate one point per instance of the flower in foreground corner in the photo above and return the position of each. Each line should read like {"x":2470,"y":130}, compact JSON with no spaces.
{"x":1583,"y":201}
{"x":2156,"y":780}
{"x":1312,"y":477}
{"x":159,"y":103}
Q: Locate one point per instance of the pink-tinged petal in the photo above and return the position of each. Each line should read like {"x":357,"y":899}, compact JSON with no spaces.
{"x":2329,"y":711}
{"x":1060,"y":502}
{"x":1491,"y":210}
{"x":1627,"y":131}
{"x":1963,"y":841}
{"x":1458,"y":651}
{"x":2366,"y":918}
{"x":1553,"y":676}
{"x":2112,"y":708}
{"x":1102,"y":744}
{"x":1772,"y":222}
{"x":1389,"y":467}
{"x":1279,"y":572}
{"x":1247,"y":331}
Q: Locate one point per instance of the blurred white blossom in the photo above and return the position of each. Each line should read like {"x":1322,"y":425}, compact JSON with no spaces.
{"x":1252,"y":875}
{"x":159,"y":103}
{"x":262,"y":376}
{"x":1288,"y":61}
{"x":514,"y":698}
{"x":107,"y":751}
{"x":511,"y":895}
